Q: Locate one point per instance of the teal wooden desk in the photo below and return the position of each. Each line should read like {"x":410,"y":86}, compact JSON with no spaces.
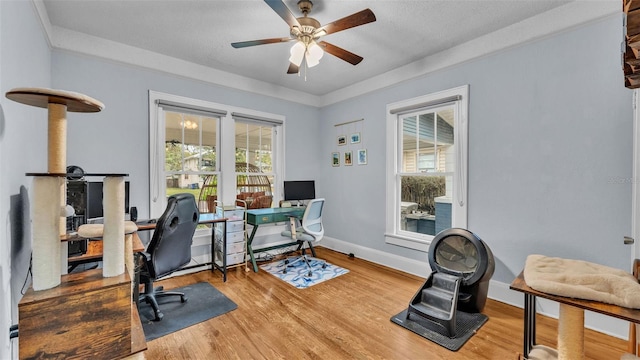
{"x":257,"y":217}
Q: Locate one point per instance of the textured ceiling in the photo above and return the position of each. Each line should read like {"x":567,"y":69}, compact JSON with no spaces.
{"x":201,"y":31}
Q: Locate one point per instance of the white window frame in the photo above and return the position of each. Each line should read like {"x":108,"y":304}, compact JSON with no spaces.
{"x":226,"y":146}
{"x":394,"y":112}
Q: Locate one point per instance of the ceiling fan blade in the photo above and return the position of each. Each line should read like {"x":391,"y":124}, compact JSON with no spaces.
{"x":242,"y":44}
{"x":281,"y":9}
{"x":360,"y":18}
{"x":293,"y":68}
{"x":341,"y":53}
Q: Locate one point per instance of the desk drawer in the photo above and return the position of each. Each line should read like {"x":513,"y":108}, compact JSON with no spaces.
{"x":233,"y":237}
{"x":259,"y":219}
{"x":232,"y":259}
{"x":235,"y":226}
{"x":232,"y":248}
{"x":237,"y":247}
{"x":230,"y":214}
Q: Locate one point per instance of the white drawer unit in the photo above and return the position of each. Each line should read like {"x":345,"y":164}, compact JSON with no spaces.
{"x":231,"y":214}
{"x":234,"y":237}
{"x":235,"y":226}
{"x":234,"y":259}
{"x":233,"y":253}
{"x":232,"y":247}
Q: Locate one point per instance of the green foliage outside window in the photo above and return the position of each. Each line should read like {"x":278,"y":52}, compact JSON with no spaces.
{"x":423,"y":190}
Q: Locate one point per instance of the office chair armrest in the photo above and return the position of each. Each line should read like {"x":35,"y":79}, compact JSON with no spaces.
{"x":145,"y":256}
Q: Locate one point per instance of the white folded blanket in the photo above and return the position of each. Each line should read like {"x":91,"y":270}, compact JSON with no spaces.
{"x":582,"y":280}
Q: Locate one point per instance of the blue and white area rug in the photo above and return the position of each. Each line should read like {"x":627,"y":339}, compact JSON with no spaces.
{"x":298,"y":274}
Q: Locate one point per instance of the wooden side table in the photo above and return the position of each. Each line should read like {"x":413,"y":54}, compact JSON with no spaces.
{"x":530,"y":295}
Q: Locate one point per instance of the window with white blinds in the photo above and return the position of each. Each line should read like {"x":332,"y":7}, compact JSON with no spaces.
{"x":426,"y":167}
{"x":198,"y":146}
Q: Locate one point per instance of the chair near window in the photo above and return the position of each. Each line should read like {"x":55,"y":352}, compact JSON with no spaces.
{"x":310,"y":231}
{"x":169,"y":249}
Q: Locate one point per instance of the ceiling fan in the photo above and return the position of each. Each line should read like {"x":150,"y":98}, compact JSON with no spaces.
{"x":307,"y":31}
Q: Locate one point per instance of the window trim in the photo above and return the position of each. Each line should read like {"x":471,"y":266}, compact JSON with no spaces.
{"x":458,"y":96}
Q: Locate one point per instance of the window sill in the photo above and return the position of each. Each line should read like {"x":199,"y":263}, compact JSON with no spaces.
{"x":407,"y":242}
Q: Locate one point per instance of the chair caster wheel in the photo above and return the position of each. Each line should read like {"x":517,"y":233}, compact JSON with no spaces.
{"x":324,"y":266}
{"x":286,"y":262}
{"x":284,"y":271}
{"x":183,"y":299}
{"x":159,"y":316}
{"x":309,"y":274}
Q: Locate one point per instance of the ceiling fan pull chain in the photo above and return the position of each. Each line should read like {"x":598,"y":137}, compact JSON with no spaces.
{"x":305,"y":71}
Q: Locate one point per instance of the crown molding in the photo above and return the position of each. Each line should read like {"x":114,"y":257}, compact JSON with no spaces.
{"x":41,"y":11}
{"x":76,"y":42}
{"x":557,"y":20}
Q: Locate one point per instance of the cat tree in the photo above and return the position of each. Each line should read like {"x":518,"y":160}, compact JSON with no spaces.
{"x":49,"y":190}
{"x":111,"y":327}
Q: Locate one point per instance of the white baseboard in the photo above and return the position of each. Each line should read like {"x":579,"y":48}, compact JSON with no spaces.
{"x":498,"y":291}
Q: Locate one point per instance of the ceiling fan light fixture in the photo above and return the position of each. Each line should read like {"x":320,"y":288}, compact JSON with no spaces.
{"x":297,"y":53}
{"x":314,"y":54}
{"x":305,"y":31}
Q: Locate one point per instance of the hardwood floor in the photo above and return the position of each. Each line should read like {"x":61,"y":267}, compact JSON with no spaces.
{"x":344,"y":318}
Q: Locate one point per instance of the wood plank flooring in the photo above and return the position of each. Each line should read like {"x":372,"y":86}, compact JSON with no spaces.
{"x":343,"y":318}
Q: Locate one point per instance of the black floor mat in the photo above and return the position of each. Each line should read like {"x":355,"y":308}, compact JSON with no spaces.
{"x":203,"y":303}
{"x":466,"y":325}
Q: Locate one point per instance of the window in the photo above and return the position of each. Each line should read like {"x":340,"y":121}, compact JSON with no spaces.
{"x":426,"y":162}
{"x":254,"y":155}
{"x":190,"y":155}
{"x":190,"y":151}
{"x":426,"y":167}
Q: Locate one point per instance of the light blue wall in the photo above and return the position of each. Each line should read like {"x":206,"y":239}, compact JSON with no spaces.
{"x":117,"y":139}
{"x":24,"y":62}
{"x":550,"y":125}
{"x":550,"y":150}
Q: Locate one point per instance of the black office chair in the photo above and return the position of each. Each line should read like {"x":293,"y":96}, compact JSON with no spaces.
{"x":170,"y":247}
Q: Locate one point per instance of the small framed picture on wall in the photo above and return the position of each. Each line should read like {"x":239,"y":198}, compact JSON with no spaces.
{"x":335,"y":159}
{"x":355,"y":138}
{"x":348,"y":158}
{"x":342,"y":140}
{"x":362,"y":157}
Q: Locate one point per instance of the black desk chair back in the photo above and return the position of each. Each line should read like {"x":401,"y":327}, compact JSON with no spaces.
{"x":170,"y":247}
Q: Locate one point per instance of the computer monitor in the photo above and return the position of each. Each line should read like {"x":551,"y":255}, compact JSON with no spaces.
{"x":299,"y":190}
{"x":94,"y":199}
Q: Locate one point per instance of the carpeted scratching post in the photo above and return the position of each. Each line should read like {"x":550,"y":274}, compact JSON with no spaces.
{"x":46,"y":260}
{"x":57,"y":102}
{"x":570,"y":333}
{"x":113,"y":240}
{"x":97,"y":231}
{"x":57,"y":150}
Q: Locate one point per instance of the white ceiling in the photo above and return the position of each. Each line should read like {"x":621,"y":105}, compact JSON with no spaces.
{"x":200,"y":32}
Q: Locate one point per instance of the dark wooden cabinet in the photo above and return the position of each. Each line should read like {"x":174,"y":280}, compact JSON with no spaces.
{"x":86,"y":317}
